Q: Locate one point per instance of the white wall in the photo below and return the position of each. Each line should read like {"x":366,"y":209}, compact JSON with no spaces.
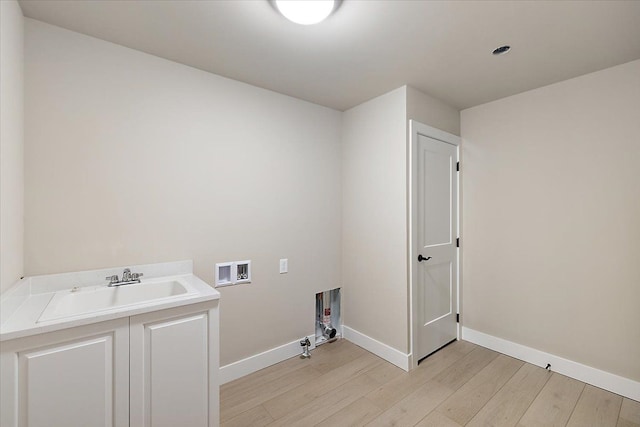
{"x":431,"y":111}
{"x":551,"y":238}
{"x":375,"y":210}
{"x":11,"y":143}
{"x":374,"y":238}
{"x":135,"y":159}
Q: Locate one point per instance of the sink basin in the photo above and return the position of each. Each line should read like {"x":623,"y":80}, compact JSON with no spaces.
{"x":81,"y":301}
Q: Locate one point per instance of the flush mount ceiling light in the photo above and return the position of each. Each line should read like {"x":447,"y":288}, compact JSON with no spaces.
{"x":502,"y":50}
{"x":306,"y":12}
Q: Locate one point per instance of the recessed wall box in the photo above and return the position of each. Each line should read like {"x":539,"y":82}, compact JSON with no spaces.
{"x":223,"y":274}
{"x":243,"y":271}
{"x":233,"y":273}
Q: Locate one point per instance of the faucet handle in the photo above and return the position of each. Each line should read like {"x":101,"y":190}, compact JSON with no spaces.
{"x":112,"y":279}
{"x":135,"y":276}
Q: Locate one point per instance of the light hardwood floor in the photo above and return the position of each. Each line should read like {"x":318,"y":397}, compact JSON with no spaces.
{"x":461,"y":385}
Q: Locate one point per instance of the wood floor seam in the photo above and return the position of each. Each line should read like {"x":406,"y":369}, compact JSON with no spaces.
{"x":574,"y":406}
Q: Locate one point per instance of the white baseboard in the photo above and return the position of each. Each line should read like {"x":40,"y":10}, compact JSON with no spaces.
{"x":605,"y":380}
{"x":262,"y":360}
{"x":390,"y":354}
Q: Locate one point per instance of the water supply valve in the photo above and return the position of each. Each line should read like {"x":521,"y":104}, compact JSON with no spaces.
{"x":305,"y":344}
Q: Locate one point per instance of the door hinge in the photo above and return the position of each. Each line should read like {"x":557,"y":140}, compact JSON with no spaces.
{"x":457,"y":242}
{"x":457,"y":166}
{"x":457,"y":317}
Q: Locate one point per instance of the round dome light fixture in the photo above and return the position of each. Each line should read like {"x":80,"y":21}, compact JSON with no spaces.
{"x":305,"y":12}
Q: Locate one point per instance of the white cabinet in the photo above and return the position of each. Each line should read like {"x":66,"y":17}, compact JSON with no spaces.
{"x":155,"y":369}
{"x":74,"y":377}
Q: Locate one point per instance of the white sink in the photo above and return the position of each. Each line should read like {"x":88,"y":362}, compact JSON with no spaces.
{"x":81,"y":301}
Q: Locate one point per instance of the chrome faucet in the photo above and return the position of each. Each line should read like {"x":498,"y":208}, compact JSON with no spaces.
{"x":127,"y":278}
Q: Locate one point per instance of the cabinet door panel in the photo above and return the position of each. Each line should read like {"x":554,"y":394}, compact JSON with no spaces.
{"x":70,"y":385}
{"x":170,"y":371}
{"x":76,"y":377}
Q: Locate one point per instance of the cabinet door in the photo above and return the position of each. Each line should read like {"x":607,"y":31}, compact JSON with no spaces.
{"x":77,"y":377}
{"x":171,"y":363}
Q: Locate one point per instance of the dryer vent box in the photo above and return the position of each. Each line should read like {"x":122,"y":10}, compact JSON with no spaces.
{"x":328,"y":317}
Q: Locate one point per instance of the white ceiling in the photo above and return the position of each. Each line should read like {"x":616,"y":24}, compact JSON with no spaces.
{"x":369,"y":47}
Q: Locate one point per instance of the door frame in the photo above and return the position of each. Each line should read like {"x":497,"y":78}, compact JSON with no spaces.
{"x":415,"y":129}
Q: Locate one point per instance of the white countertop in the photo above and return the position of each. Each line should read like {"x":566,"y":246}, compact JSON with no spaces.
{"x":22,"y":305}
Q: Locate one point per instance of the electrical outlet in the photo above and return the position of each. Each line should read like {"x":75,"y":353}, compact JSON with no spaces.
{"x":284,"y":265}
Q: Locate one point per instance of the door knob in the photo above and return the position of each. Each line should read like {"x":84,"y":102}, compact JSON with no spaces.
{"x":421,"y":258}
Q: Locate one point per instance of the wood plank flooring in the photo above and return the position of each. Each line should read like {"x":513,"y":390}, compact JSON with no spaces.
{"x":463,"y":384}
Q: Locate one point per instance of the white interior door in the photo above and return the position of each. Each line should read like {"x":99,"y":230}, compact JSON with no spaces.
{"x":435,"y":256}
